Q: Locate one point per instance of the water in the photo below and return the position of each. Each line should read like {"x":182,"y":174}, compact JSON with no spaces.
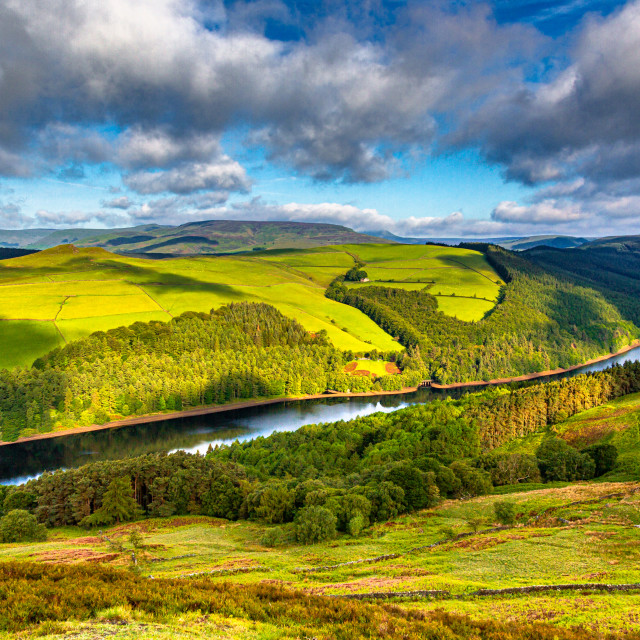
{"x":25,"y":460}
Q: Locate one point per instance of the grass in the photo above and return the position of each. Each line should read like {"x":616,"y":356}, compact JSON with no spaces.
{"x":464,"y":284}
{"x":78,"y":291}
{"x":600,"y":545}
{"x":467,"y":309}
{"x":21,"y":341}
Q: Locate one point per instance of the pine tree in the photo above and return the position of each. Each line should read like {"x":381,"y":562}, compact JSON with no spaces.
{"x":118,"y":505}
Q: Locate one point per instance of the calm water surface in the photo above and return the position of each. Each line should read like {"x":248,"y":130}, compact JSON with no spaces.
{"x":22,"y":461}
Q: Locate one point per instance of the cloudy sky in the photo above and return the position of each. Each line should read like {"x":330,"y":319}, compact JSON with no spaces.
{"x":431,"y":119}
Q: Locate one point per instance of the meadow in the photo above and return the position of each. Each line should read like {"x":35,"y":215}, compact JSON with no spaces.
{"x":65,"y":293}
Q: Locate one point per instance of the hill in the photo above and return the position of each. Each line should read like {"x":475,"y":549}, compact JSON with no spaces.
{"x":514,"y":244}
{"x":559,"y":242}
{"x":609,"y":265}
{"x":193,"y":238}
{"x":60,"y":294}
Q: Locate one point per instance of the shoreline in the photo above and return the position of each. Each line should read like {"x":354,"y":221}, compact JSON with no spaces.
{"x":245,"y":404}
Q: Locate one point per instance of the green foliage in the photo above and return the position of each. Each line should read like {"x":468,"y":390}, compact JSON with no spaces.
{"x":604,"y":457}
{"x":21,"y":526}
{"x":510,"y":468}
{"x":272,"y":537}
{"x":315,"y":524}
{"x":473,"y":482}
{"x":32,"y":594}
{"x":118,"y":505}
{"x":475,"y":522}
{"x":272,"y":503}
{"x":135,"y":539}
{"x":505,"y":511}
{"x":559,"y":461}
{"x":355,"y":275}
{"x":18,"y":499}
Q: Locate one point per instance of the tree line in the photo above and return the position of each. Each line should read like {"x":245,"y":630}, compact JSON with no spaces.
{"x":541,"y":322}
{"x":244,"y":350}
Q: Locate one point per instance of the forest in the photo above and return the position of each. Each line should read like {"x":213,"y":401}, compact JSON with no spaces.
{"x":242,"y":350}
{"x":542,"y":322}
{"x":345,"y":475}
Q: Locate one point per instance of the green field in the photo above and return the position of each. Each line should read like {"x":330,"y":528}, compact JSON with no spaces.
{"x":66,"y":293}
{"x":463,"y":283}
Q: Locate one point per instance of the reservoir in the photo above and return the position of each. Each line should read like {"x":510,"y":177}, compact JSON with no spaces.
{"x":24,"y":460}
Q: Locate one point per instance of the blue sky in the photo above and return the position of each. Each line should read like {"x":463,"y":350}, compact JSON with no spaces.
{"x":430,"y":119}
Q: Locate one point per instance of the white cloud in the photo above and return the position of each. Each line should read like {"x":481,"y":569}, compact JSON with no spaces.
{"x":545,"y":212}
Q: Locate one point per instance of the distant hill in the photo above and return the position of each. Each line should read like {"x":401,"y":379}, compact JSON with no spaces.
{"x":207,"y":237}
{"x":559,"y":242}
{"x":512,"y":243}
{"x":611,"y":265}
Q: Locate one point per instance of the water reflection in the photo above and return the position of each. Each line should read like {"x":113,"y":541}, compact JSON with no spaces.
{"x":24,"y":460}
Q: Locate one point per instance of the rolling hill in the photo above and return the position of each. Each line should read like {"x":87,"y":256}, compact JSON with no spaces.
{"x":60,"y":294}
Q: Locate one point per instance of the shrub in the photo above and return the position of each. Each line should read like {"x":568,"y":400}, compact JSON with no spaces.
{"x":473,"y":482}
{"x":19,"y":499}
{"x":505,"y":511}
{"x":315,"y":524}
{"x":356,"y":525}
{"x":475,"y":523}
{"x":559,"y":461}
{"x":272,"y":537}
{"x":273,"y":503}
{"x":420,"y":489}
{"x":604,"y":457}
{"x":19,"y":526}
{"x":511,"y":468}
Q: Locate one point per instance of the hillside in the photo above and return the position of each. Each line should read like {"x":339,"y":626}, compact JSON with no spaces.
{"x":610,"y":265}
{"x":64,"y":293}
{"x":542,"y":320}
{"x":193,"y":238}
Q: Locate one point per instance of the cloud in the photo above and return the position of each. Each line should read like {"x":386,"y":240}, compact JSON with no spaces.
{"x":340,"y":102}
{"x":122,"y":202}
{"x":582,"y":122}
{"x":545,"y":212}
{"x":223,"y":174}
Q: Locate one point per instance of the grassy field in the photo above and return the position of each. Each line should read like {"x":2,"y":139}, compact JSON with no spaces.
{"x":66,"y":293}
{"x":600,"y":545}
{"x":464,"y":284}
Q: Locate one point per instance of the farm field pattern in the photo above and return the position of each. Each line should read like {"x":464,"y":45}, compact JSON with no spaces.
{"x":65,"y":293}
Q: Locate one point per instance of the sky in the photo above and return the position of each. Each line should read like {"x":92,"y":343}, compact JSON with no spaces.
{"x":428,"y":119}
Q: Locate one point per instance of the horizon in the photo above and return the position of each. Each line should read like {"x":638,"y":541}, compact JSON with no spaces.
{"x":424,"y":119}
